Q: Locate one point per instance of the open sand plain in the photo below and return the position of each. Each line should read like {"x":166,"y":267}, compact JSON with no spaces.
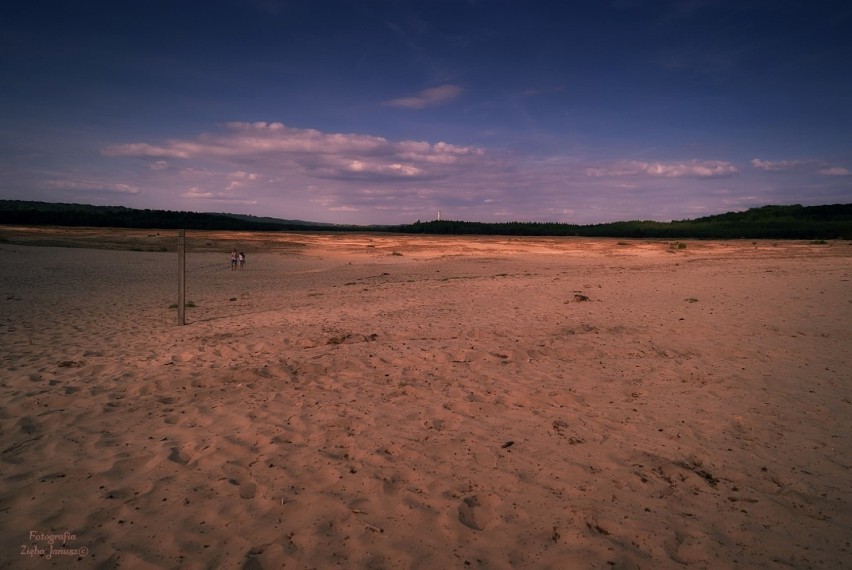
{"x":386,"y":401}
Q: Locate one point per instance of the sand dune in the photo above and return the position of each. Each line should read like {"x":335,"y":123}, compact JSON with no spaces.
{"x":364,"y":401}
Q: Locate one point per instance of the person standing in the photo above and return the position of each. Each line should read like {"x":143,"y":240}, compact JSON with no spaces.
{"x":242,"y":259}
{"x":234,"y":259}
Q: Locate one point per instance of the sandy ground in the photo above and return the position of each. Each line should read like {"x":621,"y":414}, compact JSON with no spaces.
{"x":366,"y":401}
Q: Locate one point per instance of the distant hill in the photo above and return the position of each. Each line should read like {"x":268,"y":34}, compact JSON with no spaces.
{"x":277,"y":221}
{"x":767,"y":222}
{"x":25,"y":213}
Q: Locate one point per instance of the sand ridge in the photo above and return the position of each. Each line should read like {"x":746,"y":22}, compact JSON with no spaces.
{"x":365,"y":401}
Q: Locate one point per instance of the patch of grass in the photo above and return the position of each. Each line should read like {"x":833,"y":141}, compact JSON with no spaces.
{"x":396,"y":253}
{"x":678,"y":245}
{"x":819,"y":242}
{"x":691,"y":300}
{"x":189,"y":304}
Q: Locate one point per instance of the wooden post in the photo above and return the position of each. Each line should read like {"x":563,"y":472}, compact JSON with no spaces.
{"x":181,"y":277}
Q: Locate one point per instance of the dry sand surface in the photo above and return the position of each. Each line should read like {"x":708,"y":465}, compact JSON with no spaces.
{"x":385,"y":401}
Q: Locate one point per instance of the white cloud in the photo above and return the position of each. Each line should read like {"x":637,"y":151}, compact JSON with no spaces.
{"x":834,"y":171}
{"x":821,"y":167}
{"x":240,"y":175}
{"x":143,"y":149}
{"x":288,"y":172}
{"x":279,"y":148}
{"x":690,"y":169}
{"x":427,"y":97}
{"x":197,"y":193}
{"x":777,"y":165}
{"x":92,"y":186}
{"x":251,"y":139}
{"x":379,"y":168}
{"x":240,"y":179}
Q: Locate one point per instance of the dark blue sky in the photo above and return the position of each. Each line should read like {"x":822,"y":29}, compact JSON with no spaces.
{"x":369,"y":111}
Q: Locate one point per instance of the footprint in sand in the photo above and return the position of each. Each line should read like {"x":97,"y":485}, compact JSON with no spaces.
{"x":471,"y":515}
{"x":240,"y":476}
{"x":178,"y":456}
{"x":247,"y":490}
{"x":686,"y":549}
{"x":29,"y":425}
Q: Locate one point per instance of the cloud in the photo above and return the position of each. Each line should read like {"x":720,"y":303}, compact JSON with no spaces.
{"x":821,"y":167}
{"x":92,"y":186}
{"x":427,"y":97}
{"x":776,"y":165}
{"x":690,"y":169}
{"x":834,"y":171}
{"x":289,"y":172}
{"x":143,"y":149}
{"x":196,"y":193}
{"x":240,"y":175}
{"x":241,"y":179}
{"x":313,"y":153}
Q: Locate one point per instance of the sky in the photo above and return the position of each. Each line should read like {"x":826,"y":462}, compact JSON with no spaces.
{"x":389,"y":111}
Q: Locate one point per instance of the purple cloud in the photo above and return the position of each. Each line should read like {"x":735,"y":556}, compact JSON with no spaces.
{"x":690,"y":169}
{"x":427,"y":97}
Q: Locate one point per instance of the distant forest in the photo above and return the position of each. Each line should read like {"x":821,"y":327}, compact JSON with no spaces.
{"x":767,"y":222}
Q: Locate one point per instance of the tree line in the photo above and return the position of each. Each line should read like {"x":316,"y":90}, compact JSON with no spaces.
{"x":767,"y":222}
